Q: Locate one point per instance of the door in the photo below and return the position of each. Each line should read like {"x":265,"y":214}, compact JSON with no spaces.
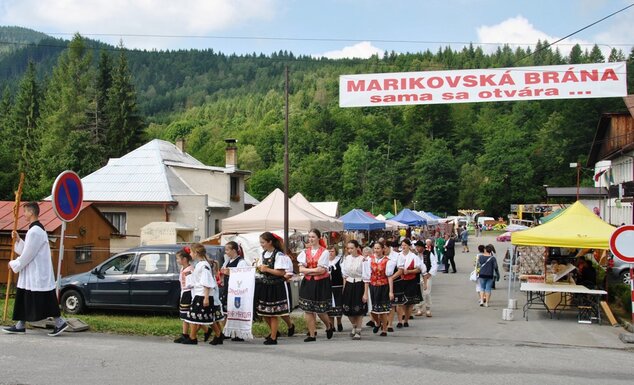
{"x":155,"y":282}
{"x":111,"y":284}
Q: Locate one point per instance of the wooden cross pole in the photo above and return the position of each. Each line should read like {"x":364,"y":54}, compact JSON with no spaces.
{"x":16,"y":210}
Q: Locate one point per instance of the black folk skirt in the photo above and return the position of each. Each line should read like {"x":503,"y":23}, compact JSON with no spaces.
{"x":204,"y":315}
{"x":315,"y":296}
{"x":184,"y":304}
{"x":34,"y":306}
{"x":412,"y":291}
{"x":352,"y":299}
{"x":399,"y":292}
{"x":336,"y":310}
{"x":380,"y":299}
{"x":272,"y":297}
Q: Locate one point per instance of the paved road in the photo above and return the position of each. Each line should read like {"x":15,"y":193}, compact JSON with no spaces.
{"x":462,"y":343}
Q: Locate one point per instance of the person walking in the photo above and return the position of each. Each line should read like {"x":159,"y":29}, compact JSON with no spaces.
{"x":450,"y":253}
{"x":464,"y":238}
{"x":234,"y":258}
{"x":412,"y":268}
{"x":272,"y":299}
{"x":184,"y":259}
{"x":315,"y":292}
{"x":487,"y":265}
{"x":336,"y":284}
{"x":440,"y":247}
{"x":380,"y":287}
{"x":426,"y":253}
{"x":35,"y":297}
{"x":354,"y":289}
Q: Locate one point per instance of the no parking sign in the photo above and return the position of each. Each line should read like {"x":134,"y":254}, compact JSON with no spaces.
{"x":68,"y":196}
{"x":622,"y":246}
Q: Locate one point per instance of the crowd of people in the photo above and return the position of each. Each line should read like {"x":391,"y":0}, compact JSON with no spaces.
{"x":392,"y":282}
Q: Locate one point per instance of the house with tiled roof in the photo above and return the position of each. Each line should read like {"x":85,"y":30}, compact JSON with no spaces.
{"x":86,"y":240}
{"x":160,"y":182}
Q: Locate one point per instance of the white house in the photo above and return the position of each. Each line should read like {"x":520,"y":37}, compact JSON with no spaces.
{"x":160,"y":182}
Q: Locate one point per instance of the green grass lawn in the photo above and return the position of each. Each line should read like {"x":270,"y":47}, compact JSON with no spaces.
{"x":151,"y":324}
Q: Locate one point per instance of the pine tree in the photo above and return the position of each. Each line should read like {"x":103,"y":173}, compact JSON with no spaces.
{"x":69,"y":142}
{"x":125,"y":125}
{"x":25,"y":131}
{"x":7,"y":155}
{"x":102,"y":87}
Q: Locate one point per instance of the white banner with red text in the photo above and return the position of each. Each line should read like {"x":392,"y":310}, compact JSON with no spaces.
{"x":600,"y":80}
{"x":240,"y":302}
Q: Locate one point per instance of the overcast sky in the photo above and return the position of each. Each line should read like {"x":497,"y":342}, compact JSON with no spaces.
{"x":332,"y":28}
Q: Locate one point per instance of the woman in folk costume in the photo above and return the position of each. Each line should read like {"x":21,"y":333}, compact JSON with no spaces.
{"x":336,"y":283}
{"x":206,"y":308}
{"x":234,"y":258}
{"x":35,"y":297}
{"x":380,"y":285}
{"x":355,"y":296}
{"x":315,"y":293}
{"x":273,"y":300}
{"x":411,"y":267}
{"x":396,"y":272}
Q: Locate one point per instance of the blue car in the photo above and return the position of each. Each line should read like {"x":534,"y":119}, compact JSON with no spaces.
{"x":142,"y":278}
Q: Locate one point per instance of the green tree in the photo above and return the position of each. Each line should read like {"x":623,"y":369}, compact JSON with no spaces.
{"x":437,"y":179}
{"x":125,"y":123}
{"x":69,"y":142}
{"x":26,"y":133}
{"x":7,"y":149}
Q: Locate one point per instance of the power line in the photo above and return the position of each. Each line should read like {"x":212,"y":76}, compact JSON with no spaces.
{"x":575,"y":32}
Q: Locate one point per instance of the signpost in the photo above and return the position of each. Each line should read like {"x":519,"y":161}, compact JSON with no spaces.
{"x":68,"y":196}
{"x":622,"y":246}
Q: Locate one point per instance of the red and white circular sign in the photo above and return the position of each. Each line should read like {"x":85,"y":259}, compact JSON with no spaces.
{"x":622,"y":243}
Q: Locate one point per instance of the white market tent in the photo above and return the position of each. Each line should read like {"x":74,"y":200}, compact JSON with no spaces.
{"x":430,"y":220}
{"x":269,"y":216}
{"x":329,"y":208}
{"x":394,"y":225}
{"x":303,"y":203}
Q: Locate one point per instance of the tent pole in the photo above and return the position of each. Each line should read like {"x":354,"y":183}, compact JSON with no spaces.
{"x":286,"y":160}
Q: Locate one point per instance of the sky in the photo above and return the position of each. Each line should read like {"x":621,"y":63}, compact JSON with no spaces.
{"x":330,"y":28}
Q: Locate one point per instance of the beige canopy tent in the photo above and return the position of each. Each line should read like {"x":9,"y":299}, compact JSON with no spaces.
{"x":303,"y":203}
{"x":574,"y":227}
{"x":269,"y":216}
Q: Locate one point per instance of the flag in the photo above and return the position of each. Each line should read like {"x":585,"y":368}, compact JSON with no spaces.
{"x":240,"y":302}
{"x":598,"y":175}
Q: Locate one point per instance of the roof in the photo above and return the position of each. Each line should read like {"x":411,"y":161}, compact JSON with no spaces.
{"x":249,"y":199}
{"x":575,"y":227}
{"x":145,"y":175}
{"x":409,"y":217}
{"x":619,"y":129}
{"x":269,"y":215}
{"x":357,"y":219}
{"x":303,"y":203}
{"x":584,"y":192}
{"x":329,"y":208}
{"x":47,"y":217}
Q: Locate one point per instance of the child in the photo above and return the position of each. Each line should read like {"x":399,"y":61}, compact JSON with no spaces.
{"x":184,"y":259}
{"x":206,"y":309}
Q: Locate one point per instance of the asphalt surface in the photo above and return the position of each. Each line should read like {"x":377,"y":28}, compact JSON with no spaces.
{"x":461,"y":343}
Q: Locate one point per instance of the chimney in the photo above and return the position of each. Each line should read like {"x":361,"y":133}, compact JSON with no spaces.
{"x":180,"y":144}
{"x":231,"y":154}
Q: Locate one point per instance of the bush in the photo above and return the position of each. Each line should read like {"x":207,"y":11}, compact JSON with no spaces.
{"x":621,"y":294}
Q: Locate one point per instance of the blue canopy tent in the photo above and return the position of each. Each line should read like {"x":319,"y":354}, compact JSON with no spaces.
{"x":357,"y":219}
{"x":409,"y":218}
{"x":432,"y":215}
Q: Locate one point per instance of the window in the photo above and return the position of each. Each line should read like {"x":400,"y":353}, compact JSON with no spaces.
{"x":235,"y":185}
{"x":118,"y":220}
{"x":83,"y":254}
{"x":153,"y":263}
{"x":118,"y":265}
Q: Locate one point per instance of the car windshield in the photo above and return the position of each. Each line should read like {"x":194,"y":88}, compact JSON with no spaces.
{"x":118,"y":265}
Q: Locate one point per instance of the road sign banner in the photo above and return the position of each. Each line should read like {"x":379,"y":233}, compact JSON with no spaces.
{"x":67,"y":196}
{"x":622,"y":243}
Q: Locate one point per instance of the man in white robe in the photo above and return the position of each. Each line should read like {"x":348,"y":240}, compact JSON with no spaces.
{"x":35,"y":297}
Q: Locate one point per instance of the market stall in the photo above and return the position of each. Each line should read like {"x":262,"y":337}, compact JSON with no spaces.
{"x":547,"y":255}
{"x":409,"y":218}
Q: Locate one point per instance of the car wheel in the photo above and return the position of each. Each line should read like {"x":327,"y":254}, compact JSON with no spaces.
{"x":72,"y":302}
{"x":625,"y":277}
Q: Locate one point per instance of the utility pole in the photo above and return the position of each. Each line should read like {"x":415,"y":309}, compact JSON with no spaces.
{"x":286,"y":190}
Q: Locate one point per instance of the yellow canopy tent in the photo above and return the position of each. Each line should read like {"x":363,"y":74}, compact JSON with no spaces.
{"x":576,"y":227}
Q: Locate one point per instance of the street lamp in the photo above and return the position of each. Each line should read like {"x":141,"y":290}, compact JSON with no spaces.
{"x":415,"y":205}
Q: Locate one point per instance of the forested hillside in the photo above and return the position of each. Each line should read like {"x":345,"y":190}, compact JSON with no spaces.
{"x":440,"y":156}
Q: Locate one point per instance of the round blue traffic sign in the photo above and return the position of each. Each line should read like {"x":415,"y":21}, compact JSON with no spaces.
{"x":68,"y":196}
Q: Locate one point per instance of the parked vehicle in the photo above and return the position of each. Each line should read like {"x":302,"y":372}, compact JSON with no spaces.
{"x":142,"y":278}
{"x":621,"y":271}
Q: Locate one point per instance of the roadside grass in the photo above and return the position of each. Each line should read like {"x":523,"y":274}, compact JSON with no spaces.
{"x":151,"y":324}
